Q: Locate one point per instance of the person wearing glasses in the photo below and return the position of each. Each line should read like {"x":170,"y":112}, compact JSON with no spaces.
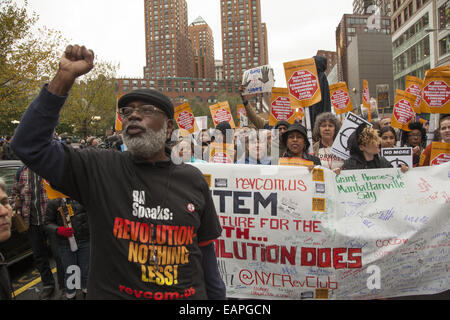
{"x":416,"y":138}
{"x":152,"y":223}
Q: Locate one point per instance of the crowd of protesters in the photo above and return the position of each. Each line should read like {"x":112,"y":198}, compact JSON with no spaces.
{"x":108,"y":184}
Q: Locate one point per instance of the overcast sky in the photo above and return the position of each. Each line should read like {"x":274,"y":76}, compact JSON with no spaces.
{"x":114,"y":29}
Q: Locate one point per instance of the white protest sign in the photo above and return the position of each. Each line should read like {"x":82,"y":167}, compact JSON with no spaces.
{"x":340,"y":147}
{"x":202,"y":122}
{"x":398,"y":156}
{"x":292,"y":234}
{"x":258,"y":80}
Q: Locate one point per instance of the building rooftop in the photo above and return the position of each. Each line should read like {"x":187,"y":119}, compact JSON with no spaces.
{"x":198,"y":21}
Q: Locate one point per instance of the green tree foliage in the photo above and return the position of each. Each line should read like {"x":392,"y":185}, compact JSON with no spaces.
{"x":90,"y":107}
{"x":26,"y":60}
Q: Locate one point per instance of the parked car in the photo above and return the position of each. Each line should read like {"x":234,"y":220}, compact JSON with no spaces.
{"x":17,"y":247}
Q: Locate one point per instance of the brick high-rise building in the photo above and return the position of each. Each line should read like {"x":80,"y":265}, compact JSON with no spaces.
{"x":168,"y":47}
{"x":203,"y":49}
{"x":244,"y":37}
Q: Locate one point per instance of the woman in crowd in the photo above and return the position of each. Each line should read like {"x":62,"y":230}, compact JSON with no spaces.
{"x":56,"y":222}
{"x":416,"y":139}
{"x":388,"y":137}
{"x":364,"y":145}
{"x":444,"y":134}
{"x":326,"y":128}
{"x":296,"y":141}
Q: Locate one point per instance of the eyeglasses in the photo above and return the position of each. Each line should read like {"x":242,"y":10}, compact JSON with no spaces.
{"x":145,"y":110}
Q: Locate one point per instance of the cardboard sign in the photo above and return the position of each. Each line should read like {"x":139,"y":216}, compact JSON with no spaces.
{"x":202,"y":122}
{"x":296,"y":162}
{"x":436,"y":91}
{"x":340,"y":98}
{"x":303,"y":83}
{"x":414,"y":86}
{"x":221,"y":153}
{"x":440,"y":153}
{"x":185,"y":118}
{"x":299,"y":114}
{"x":280,"y":107}
{"x":403,"y":112}
{"x":398,"y":156}
{"x":119,"y":120}
{"x":221,"y":112}
{"x":258,"y":80}
{"x":340,"y":147}
{"x":52,"y":193}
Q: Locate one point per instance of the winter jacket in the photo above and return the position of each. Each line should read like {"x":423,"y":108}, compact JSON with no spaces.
{"x":79,"y":220}
{"x":32,"y":196}
{"x":357,"y":161}
{"x":306,"y":156}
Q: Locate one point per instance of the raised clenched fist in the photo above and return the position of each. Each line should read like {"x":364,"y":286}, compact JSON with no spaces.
{"x":76,"y":61}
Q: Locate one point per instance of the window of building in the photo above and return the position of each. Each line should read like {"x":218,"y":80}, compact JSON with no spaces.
{"x":444,"y":46}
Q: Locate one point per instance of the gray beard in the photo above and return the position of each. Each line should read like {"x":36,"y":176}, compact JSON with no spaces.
{"x":146,"y":145}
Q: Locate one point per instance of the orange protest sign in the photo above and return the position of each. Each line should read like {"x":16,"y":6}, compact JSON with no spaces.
{"x":295,"y":162}
{"x":52,"y":193}
{"x":366,"y":98}
{"x":221,"y":112}
{"x":403,"y":112}
{"x":280,"y":107}
{"x":221,"y":153}
{"x":366,"y":94}
{"x":299,"y":114}
{"x":340,"y":98}
{"x":440,"y":153}
{"x":303,"y":83}
{"x":185,"y":118}
{"x":414,"y":85}
{"x":436,"y":91}
{"x":118,"y":124}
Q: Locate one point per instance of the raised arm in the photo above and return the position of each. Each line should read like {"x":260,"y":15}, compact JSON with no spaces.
{"x":258,"y":121}
{"x":33,"y":141}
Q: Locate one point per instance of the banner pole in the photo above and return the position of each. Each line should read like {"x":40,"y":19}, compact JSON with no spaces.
{"x":308,"y":128}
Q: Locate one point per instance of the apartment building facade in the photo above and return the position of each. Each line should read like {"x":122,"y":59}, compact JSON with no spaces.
{"x":420,"y":37}
{"x":168,"y":46}
{"x":244,"y":37}
{"x":203,"y":49}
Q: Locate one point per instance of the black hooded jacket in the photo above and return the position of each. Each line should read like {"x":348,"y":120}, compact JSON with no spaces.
{"x":325,"y":104}
{"x":357,"y":160}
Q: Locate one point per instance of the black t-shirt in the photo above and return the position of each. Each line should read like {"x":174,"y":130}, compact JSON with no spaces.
{"x":146,"y":221}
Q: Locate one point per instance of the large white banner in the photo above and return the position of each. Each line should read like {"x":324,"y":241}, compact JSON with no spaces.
{"x":292,"y":234}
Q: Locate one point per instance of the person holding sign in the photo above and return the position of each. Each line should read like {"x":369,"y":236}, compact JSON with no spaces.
{"x":364,"y":146}
{"x":444,"y":132}
{"x":297,"y":144}
{"x":58,"y":213}
{"x":152,"y":223}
